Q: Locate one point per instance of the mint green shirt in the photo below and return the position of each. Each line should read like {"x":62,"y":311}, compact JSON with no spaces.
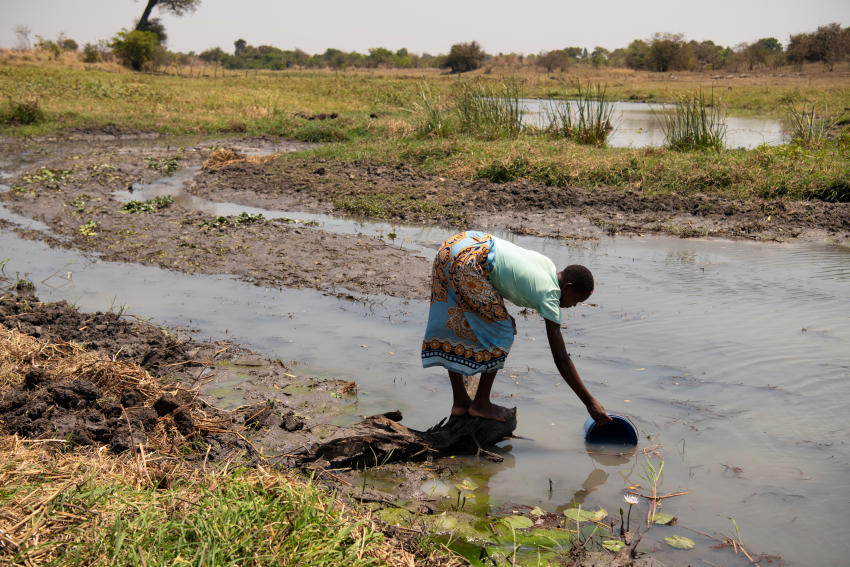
{"x":526,"y":279}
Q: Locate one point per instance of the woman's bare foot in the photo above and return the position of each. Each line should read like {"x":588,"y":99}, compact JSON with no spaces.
{"x":489,"y":410}
{"x":461,"y":409}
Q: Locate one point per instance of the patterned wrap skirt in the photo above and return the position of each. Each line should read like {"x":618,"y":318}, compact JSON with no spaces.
{"x":469,"y":330}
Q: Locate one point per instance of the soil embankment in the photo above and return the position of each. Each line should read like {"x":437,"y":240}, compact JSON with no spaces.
{"x":404,"y":193}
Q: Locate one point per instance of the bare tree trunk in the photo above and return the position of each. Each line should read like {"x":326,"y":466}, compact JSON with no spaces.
{"x":143,"y":21}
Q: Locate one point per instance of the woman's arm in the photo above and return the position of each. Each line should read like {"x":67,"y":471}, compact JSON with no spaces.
{"x":568,"y":372}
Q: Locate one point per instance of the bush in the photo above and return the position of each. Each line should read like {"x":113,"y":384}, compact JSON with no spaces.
{"x":464,"y":57}
{"x":90,"y":53}
{"x":22,"y":113}
{"x":135,"y":48}
{"x":69,"y":45}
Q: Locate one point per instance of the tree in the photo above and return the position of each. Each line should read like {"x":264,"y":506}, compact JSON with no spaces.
{"x":555,"y":59}
{"x":770,"y":43}
{"x":69,"y":45}
{"x":213,"y":55}
{"x":135,"y":47}
{"x":637,"y":55}
{"x":239,"y":45}
{"x":22,"y":33}
{"x":599,"y":56}
{"x":834,"y":43}
{"x":464,"y":57}
{"x":156,"y":27}
{"x":667,"y":52}
{"x":176,"y":7}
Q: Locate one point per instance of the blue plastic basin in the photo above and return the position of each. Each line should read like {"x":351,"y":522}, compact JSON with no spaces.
{"x":618,"y":431}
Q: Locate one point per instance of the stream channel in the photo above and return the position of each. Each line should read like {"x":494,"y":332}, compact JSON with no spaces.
{"x":731,"y":355}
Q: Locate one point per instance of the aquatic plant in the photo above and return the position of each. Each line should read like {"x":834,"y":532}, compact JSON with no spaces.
{"x":809,"y":126}
{"x":488,"y":111}
{"x":587,"y":119}
{"x":88,"y":229}
{"x":631,"y":500}
{"x":150,"y":206}
{"x":694,"y":123}
{"x":653,"y":477}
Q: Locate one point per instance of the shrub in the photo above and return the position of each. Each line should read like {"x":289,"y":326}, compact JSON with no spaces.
{"x":695,"y":123}
{"x":22,"y":113}
{"x":464,"y":57}
{"x":135,"y":48}
{"x":90,"y":53}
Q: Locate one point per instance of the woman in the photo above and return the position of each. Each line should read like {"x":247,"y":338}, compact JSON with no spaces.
{"x":470,"y":331}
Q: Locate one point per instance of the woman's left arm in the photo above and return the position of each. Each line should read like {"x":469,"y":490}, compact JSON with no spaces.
{"x":570,"y":374}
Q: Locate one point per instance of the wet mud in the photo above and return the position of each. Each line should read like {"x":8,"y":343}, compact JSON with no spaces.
{"x":314,"y":186}
{"x":73,"y":195}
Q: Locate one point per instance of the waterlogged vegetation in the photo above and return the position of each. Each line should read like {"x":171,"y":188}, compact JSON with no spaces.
{"x":473,"y":127}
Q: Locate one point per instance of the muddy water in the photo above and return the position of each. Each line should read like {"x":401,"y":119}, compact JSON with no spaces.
{"x":639,"y":124}
{"x":702,"y":342}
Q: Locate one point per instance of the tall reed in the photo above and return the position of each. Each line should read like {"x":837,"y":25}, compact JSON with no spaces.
{"x":587,"y":119}
{"x":694,"y":123}
{"x":435,"y":120}
{"x":808,"y":128}
{"x":488,"y":111}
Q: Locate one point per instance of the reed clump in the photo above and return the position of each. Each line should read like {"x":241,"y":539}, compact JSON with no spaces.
{"x":694,"y":123}
{"x":587,"y":119}
{"x":477,"y":109}
{"x":809,"y":126}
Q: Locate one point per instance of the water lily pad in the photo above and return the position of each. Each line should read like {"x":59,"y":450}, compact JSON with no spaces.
{"x":613,"y":545}
{"x":538,"y":511}
{"x":518,"y":522}
{"x":680,"y":542}
{"x":575,"y":514}
{"x":665,"y":519}
{"x":467,"y":485}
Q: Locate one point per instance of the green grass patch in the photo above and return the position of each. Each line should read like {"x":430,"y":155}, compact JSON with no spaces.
{"x":403,"y":205}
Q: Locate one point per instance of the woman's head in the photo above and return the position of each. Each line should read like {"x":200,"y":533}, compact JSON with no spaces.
{"x":576,"y":285}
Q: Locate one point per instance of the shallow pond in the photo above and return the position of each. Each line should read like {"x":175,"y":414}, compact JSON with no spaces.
{"x":732,"y":355}
{"x":640,"y":124}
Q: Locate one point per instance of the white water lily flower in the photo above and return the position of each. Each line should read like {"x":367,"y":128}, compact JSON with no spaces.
{"x":631,"y":499}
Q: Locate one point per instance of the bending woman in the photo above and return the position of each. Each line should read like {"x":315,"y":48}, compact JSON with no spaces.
{"x":469,"y":329}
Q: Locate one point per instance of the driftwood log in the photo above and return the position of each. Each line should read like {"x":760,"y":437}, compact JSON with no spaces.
{"x":380,"y":439}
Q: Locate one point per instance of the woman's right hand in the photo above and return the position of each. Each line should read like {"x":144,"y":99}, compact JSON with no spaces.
{"x":597,"y":412}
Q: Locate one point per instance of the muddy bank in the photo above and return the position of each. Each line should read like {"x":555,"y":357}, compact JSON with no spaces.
{"x":73,"y":195}
{"x":321,"y":186}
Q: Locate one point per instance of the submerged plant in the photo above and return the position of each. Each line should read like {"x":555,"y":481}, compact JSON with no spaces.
{"x":694,"y":123}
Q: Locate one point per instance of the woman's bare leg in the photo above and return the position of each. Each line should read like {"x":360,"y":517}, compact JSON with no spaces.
{"x":482,"y":406}
{"x":462,"y":401}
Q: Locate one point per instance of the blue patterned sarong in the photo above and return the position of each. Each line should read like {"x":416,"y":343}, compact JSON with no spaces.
{"x":469,"y":330}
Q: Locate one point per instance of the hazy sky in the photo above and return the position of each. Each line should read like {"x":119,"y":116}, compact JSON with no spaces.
{"x":432,"y":26}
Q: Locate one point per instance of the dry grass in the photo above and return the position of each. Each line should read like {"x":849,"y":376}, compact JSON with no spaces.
{"x":45,"y":59}
{"x":91,"y":507}
{"x":224,"y":156}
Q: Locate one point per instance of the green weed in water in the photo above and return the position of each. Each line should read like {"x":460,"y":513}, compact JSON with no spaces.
{"x":695,"y":123}
{"x":150,"y":206}
{"x":168,"y":165}
{"x":89,"y":228}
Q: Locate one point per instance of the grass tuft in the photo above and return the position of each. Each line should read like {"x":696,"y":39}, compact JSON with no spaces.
{"x":22,"y":113}
{"x":695,"y":123}
{"x":586,"y":120}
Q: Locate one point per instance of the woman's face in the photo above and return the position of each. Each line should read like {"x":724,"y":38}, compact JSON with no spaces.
{"x":571,"y":297}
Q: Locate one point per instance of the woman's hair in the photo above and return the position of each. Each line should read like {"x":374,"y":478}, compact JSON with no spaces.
{"x":580,"y":277}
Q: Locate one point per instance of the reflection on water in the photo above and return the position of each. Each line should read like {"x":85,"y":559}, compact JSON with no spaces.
{"x":731,"y":356}
{"x":639,"y":124}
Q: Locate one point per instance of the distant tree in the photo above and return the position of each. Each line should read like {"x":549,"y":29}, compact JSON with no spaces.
{"x":381,"y":56}
{"x":239,"y":45}
{"x":69,"y":45}
{"x":555,"y":59}
{"x":637,"y":55}
{"x":599,"y":56}
{"x":585,"y":55}
{"x":155,"y":26}
{"x":834,"y":43}
{"x":770,"y":43}
{"x":177,"y":7}
{"x":135,"y":48}
{"x":464,"y":57}
{"x":213,"y":55}
{"x":799,"y":50}
{"x":22,"y":35}
{"x":574,"y":52}
{"x":667,"y":52}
